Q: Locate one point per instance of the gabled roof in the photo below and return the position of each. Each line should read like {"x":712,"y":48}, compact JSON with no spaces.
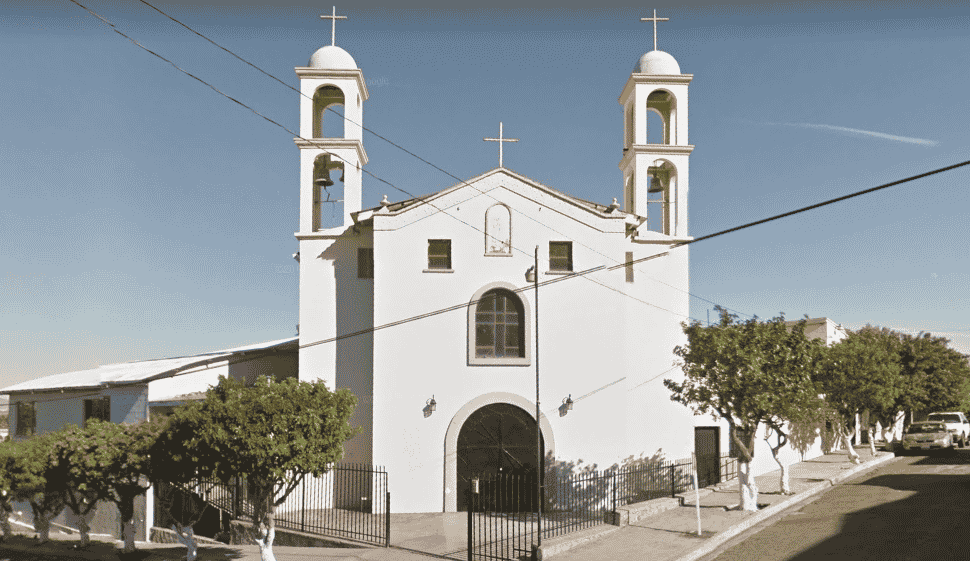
{"x":141,"y":371}
{"x":391,"y":209}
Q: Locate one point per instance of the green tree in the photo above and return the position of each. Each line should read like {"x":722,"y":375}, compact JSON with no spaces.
{"x":125,"y":453}
{"x":8,"y":461}
{"x":32,"y":481}
{"x":273,"y":434}
{"x":82,"y":459}
{"x":181,"y":474}
{"x":942,"y":373}
{"x":861,"y":374}
{"x":747,"y":373}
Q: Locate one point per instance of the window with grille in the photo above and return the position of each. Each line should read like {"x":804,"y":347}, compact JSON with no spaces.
{"x":439,"y":254}
{"x":560,"y":256}
{"x":99,"y":408}
{"x":26,"y":418}
{"x":365,"y":262}
{"x":499,"y":329}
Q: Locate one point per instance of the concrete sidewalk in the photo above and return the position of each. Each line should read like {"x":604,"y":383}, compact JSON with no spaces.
{"x":668,"y":534}
{"x":671,"y":535}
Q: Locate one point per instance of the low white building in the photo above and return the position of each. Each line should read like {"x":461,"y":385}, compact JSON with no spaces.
{"x":130,"y":392}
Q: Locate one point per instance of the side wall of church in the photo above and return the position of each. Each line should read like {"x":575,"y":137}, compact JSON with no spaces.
{"x":334,"y":303}
{"x":658,"y":426}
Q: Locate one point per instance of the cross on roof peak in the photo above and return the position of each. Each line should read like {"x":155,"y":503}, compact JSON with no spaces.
{"x":501,"y":141}
{"x":333,"y":25}
{"x":655,"y":19}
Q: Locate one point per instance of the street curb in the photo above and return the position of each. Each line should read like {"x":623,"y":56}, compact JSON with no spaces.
{"x":722,"y":537}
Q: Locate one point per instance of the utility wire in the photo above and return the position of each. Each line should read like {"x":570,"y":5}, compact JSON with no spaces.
{"x":579,"y":274}
{"x":317,"y":144}
{"x":410,"y":153}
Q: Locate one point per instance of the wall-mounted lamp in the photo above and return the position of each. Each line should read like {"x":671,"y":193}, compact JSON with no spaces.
{"x":530,"y":275}
{"x":430,"y":406}
{"x":567,"y":405}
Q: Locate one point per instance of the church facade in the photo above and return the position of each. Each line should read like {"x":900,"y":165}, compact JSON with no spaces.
{"x":428,"y":309}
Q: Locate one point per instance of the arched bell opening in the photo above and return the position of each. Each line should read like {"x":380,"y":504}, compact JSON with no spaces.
{"x":660,"y":197}
{"x":328,"y":183}
{"x":661,"y":116}
{"x":328,"y":111}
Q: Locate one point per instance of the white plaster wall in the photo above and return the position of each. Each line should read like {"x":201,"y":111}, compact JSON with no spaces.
{"x":200,"y":381}
{"x":590,"y":337}
{"x":333,"y":301}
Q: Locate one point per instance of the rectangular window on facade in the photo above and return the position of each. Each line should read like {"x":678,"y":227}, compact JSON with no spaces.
{"x":439,"y":254}
{"x":98,"y":408}
{"x":629,"y":266}
{"x":26,"y":418}
{"x":560,"y":256}
{"x":365,"y":262}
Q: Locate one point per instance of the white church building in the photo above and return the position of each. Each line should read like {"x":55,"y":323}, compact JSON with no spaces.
{"x":426,"y":308}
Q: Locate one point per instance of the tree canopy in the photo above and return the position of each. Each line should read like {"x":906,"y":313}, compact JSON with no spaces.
{"x":273,"y":434}
{"x":747,"y":372}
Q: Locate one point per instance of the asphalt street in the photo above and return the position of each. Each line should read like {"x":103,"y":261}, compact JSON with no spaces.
{"x":912,"y":508}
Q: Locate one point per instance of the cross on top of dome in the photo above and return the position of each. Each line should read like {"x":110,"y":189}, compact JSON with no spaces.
{"x":333,"y":25}
{"x":654,"y":19}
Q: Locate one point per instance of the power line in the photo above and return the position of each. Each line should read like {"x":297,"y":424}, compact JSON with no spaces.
{"x":583,"y":273}
{"x":409,"y":152}
{"x":313,"y":142}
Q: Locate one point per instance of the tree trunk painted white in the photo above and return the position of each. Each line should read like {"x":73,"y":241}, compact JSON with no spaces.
{"x":126,"y":508}
{"x":872,"y":440}
{"x":84,"y":528}
{"x":42,"y":526}
{"x":186,"y":537}
{"x":853,"y":456}
{"x":747,"y":487}
{"x":128,"y":534}
{"x":5,"y":523}
{"x":266,"y":532}
{"x":785,"y":482}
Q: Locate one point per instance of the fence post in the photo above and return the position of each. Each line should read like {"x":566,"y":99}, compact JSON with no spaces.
{"x":468,"y":505}
{"x":303,"y":506}
{"x":614,"y":495}
{"x":387,"y":520}
{"x":673,"y":482}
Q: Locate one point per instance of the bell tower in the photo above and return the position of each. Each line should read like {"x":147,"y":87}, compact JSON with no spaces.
{"x":331,"y":130}
{"x":656,"y":151}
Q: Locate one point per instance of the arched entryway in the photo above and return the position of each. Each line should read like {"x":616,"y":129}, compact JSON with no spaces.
{"x":497,"y":439}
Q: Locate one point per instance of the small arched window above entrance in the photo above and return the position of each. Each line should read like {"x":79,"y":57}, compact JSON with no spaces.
{"x":498,"y":230}
{"x":498,"y":328}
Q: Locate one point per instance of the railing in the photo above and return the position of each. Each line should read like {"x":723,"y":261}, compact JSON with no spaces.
{"x":502,"y":518}
{"x":350,"y":501}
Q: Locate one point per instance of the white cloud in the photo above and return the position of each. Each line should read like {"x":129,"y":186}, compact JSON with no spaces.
{"x":882,"y":135}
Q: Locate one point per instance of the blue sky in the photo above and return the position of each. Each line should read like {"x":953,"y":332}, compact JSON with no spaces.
{"x":145,"y":216}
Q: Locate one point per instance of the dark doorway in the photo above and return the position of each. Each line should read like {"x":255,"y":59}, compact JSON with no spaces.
{"x":707,"y":452}
{"x":496,"y":441}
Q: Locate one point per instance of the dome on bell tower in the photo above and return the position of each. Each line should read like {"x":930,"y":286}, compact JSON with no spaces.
{"x":657,"y":62}
{"x":331,"y":57}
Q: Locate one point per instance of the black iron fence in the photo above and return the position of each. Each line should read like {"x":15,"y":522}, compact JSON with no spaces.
{"x":350,"y":501}
{"x":503,"y":522}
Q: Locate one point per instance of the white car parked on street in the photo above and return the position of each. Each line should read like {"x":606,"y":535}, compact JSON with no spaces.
{"x":956,"y":423}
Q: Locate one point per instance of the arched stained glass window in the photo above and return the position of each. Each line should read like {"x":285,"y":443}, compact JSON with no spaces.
{"x":499,"y":326}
